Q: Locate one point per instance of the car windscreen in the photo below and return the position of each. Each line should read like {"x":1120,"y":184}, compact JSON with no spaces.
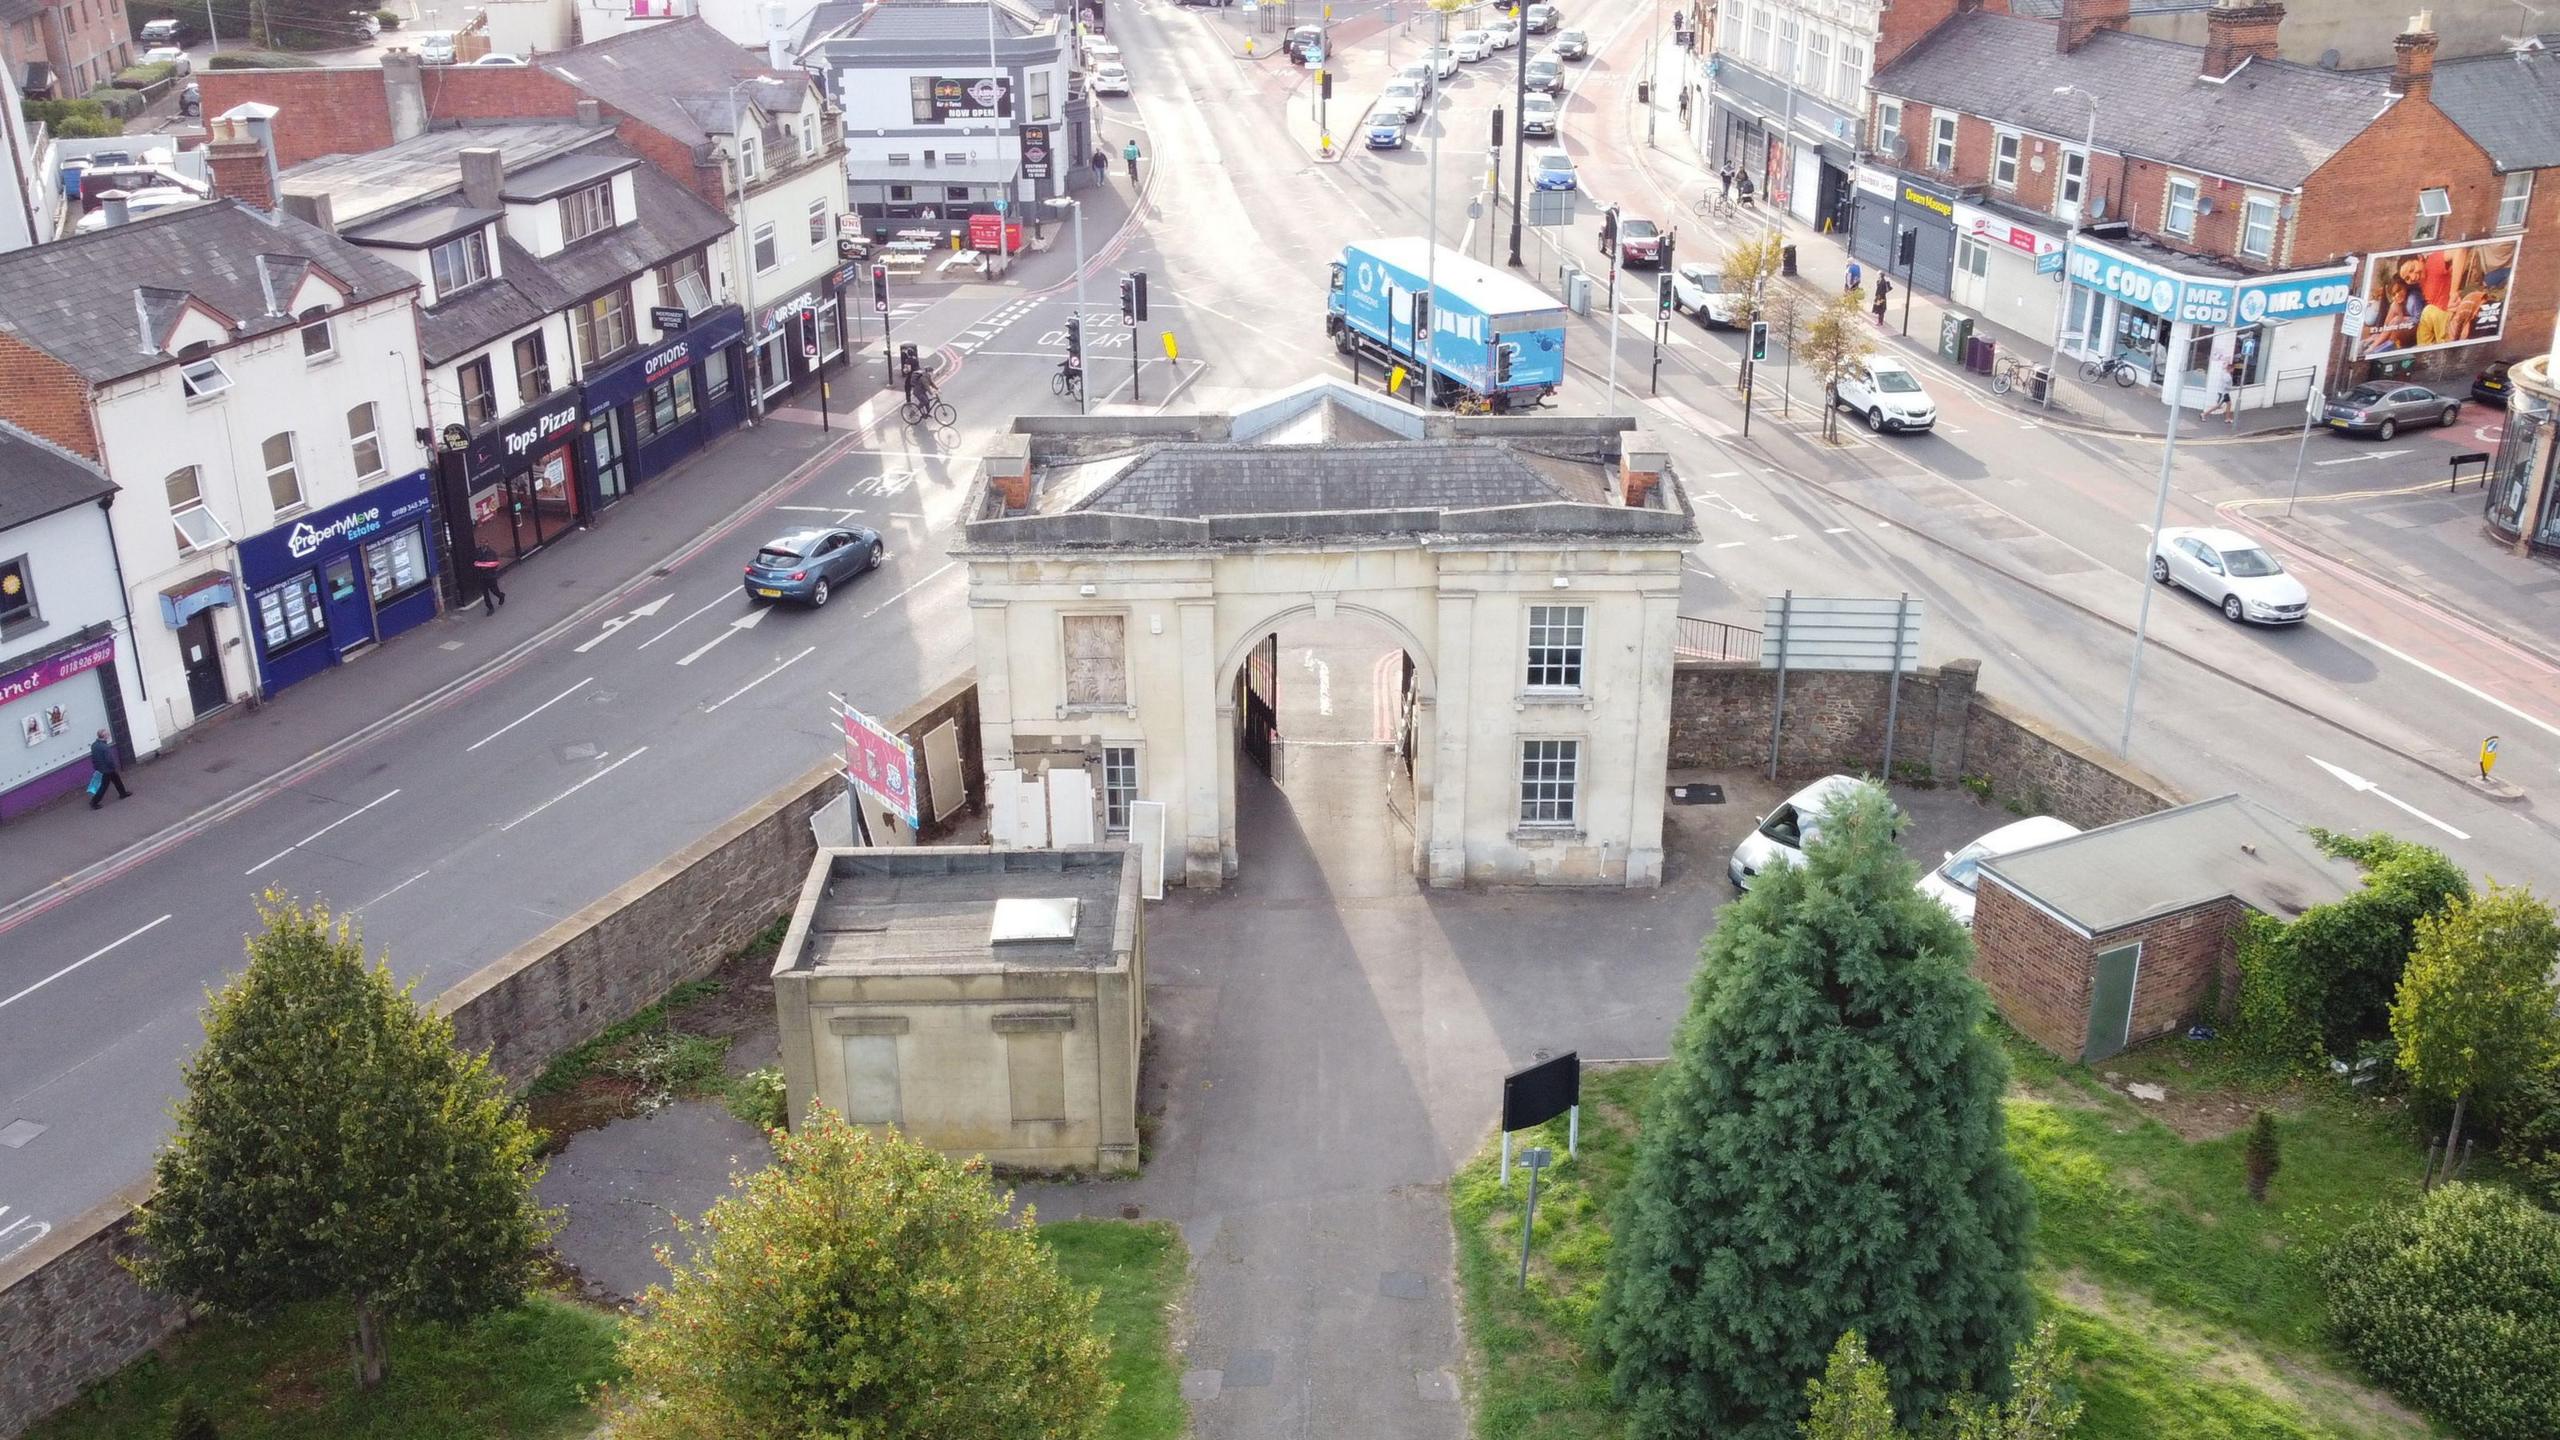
{"x":1897,"y":382}
{"x":2251,"y":563}
{"x":1640,"y":230}
{"x":774,"y":558}
{"x":1784,"y":826}
{"x":2366,"y":395}
{"x":1965,"y":868}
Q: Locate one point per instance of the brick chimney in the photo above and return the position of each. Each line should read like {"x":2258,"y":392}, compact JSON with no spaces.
{"x":1641,"y":459}
{"x":484,"y":175}
{"x":1008,"y":471}
{"x":240,"y":167}
{"x":2237,"y":31}
{"x":2084,"y":18}
{"x":2413,"y":57}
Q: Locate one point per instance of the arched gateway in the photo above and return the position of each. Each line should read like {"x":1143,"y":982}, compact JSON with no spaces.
{"x":1128,"y":576}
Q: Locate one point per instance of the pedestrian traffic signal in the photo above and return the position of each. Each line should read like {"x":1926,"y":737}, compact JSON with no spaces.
{"x":880,"y":288}
{"x":1497,"y":127}
{"x":1502,"y":363}
{"x":1670,"y":239}
{"x":1075,"y":338}
{"x":1324,"y":83}
{"x":1759,"y":339}
{"x":1129,"y":299}
{"x":1139,"y":279}
{"x":1666,"y":296}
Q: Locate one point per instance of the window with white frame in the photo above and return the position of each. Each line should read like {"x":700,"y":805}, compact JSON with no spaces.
{"x":586,"y":212}
{"x":317,"y":342}
{"x":1760,"y":36}
{"x":533,"y":368}
{"x":284,"y":477}
{"x":808,"y":134}
{"x":2515,"y":199}
{"x":895,"y":158}
{"x":681,"y":281}
{"x":459,"y":262}
{"x":1119,"y":786}
{"x":1817,"y":59}
{"x":1097,"y":659}
{"x":199,"y":374}
{"x":1039,"y":97}
{"x":2434,"y":203}
{"x":602,"y":326}
{"x":474,"y":379}
{"x":364,"y":440}
{"x":1789,"y":50}
{"x":1852,"y":72}
{"x":195,"y":524}
{"x":2178,"y":212}
{"x":750,"y":158}
{"x":2004,"y":159}
{"x":1942,"y":142}
{"x":1888,"y":125}
{"x":1729,"y":28}
{"x":818,"y":213}
{"x":1550,"y":782}
{"x":1555,"y":646}
{"x":2073,"y":186}
{"x":2258,"y":227}
{"x":768,"y":254}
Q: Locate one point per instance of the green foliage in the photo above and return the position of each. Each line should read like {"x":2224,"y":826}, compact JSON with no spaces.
{"x":333,"y":1144}
{"x":1137,"y":1271}
{"x":1849,"y":1401}
{"x":2474,"y":1011}
{"x":2530,"y":1143}
{"x":757,"y":1097}
{"x":650,"y":1030}
{"x":1978,"y":786}
{"x":2321,"y":985}
{"x":258,"y":60}
{"x":2039,"y":1406}
{"x":1824,"y":1153}
{"x":124,"y":104}
{"x":389,"y":20}
{"x":2262,"y":1156}
{"x":864,"y":1287}
{"x":188,"y":1420}
{"x":143,"y":77}
{"x":72,"y":119}
{"x":2455,"y":1303}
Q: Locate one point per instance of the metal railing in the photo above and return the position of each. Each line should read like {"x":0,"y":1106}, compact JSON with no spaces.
{"x":1716,"y":640}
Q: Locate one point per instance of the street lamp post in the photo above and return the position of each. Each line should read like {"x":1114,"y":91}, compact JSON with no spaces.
{"x":2151,"y":539}
{"x":2079,"y":219}
{"x":1084,"y":392}
{"x":1519,"y":142}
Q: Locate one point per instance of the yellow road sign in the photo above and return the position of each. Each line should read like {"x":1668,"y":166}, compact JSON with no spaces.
{"x":2488,"y":756}
{"x":1395,"y":381}
{"x":1169,"y":352}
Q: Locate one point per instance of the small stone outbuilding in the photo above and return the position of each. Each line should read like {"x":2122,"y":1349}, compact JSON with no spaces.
{"x":2126,"y":933}
{"x":984,"y":1002}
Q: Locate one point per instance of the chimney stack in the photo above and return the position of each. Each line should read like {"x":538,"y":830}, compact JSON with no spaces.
{"x":241,"y":169}
{"x":2238,"y":31}
{"x":2084,"y":18}
{"x":777,"y":37}
{"x":404,"y":93}
{"x":1641,"y":460}
{"x":2413,"y":58}
{"x":312,"y":210}
{"x":484,"y":175}
{"x":114,"y":203}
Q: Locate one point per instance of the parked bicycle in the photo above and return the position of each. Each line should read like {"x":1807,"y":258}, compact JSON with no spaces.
{"x":1717,"y":206}
{"x":2012,"y":370}
{"x":2119,"y":366}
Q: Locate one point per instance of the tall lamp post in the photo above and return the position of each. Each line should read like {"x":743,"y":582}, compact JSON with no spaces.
{"x":1084,"y":393}
{"x":1519,"y":138}
{"x":2079,"y":221}
{"x":2151,"y":539}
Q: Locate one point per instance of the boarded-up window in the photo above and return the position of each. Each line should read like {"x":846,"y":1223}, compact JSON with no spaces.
{"x":1097,"y":660}
{"x":871,"y":1079}
{"x":1035,"y":1063}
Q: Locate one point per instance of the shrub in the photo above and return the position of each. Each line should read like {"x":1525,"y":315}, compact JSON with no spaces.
{"x":387,"y":19}
{"x":122,"y":103}
{"x":71,"y":119}
{"x":2317,"y":987}
{"x":259,"y":60}
{"x":2530,"y":1136}
{"x":143,"y":77}
{"x":2262,"y":1155}
{"x":188,"y":1420}
{"x":757,"y":1098}
{"x":2454,"y":1302}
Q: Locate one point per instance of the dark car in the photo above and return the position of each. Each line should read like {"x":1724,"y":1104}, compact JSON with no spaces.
{"x":1543,"y":18}
{"x":1639,"y":243}
{"x":807,"y":565}
{"x":2384,"y":408}
{"x":1545,"y":76}
{"x":2492,"y":386}
{"x":167,"y":30}
{"x":1571,"y":45}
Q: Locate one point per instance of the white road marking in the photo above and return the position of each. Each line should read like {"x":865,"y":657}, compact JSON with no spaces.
{"x":574,"y":789}
{"x":618,"y":621}
{"x":316,"y":834}
{"x":2331,"y":622}
{"x":671,"y":629}
{"x":1837,"y":530}
{"x":910,"y":590}
{"x":748,"y":621}
{"x":2362,"y":786}
{"x":769,"y":674}
{"x":83,"y":960}
{"x":394,"y":890}
{"x":2367,"y":455}
{"x":1774,"y":539}
{"x":28,"y":1230}
{"x":529,"y":714}
{"x":1729,"y":544}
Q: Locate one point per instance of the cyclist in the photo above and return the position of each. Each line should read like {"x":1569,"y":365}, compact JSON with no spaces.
{"x":920,"y":391}
{"x":1071,"y":372}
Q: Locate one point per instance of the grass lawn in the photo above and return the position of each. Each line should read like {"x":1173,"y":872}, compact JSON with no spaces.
{"x":1139,"y":1270}
{"x":2194,"y":1312}
{"x":523,"y":1375}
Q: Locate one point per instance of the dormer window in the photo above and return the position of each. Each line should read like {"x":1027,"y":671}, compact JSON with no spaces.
{"x":318,"y":343}
{"x":586,"y":212}
{"x":199,"y":374}
{"x":459,"y":263}
{"x":808,"y":133}
{"x":749,"y":165}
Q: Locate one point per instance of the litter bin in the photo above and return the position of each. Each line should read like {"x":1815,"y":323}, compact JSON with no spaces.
{"x":1787,"y":261}
{"x":1953,"y":331}
{"x":2040,"y":384}
{"x":1577,"y":290}
{"x":1977,"y":354}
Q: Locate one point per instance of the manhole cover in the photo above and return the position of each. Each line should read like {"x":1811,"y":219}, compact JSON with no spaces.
{"x":584,"y":750}
{"x":1697,"y":794}
{"x":1132,"y":1212}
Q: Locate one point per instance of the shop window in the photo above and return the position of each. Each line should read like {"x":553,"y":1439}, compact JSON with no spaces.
{"x":2004,"y":160}
{"x":289,"y":614}
{"x":459,"y":263}
{"x":195,"y":524}
{"x":715,"y":374}
{"x":1555,"y":647}
{"x":364,"y":440}
{"x":1942,"y":143}
{"x":533,"y":368}
{"x":681,"y":281}
{"x":1550,"y":782}
{"x":2258,"y":227}
{"x":2434,"y":203}
{"x":396,"y":565}
{"x":586,"y":212}
{"x":2249,"y":347}
{"x":602,"y":326}
{"x":284,"y":475}
{"x":479,"y":397}
{"x":2073,"y":186}
{"x":2515,"y":199}
{"x":318,"y":343}
{"x":18,"y":613}
{"x":1119,"y":786}
{"x":818,"y":221}
{"x":2511,"y":479}
{"x":1097,"y":660}
{"x":2178,"y":212}
{"x":768,"y":252}
{"x":199,"y":374}
{"x":668,"y":404}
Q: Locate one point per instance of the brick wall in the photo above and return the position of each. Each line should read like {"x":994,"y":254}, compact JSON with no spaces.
{"x":2186,"y":958}
{"x":321,"y":112}
{"x":43,"y":396}
{"x":2037,"y":970}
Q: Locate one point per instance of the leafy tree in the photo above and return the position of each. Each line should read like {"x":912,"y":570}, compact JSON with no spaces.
{"x":1754,"y":270}
{"x":1824,"y":1153}
{"x":2037,"y":1407}
{"x":2262,"y":1157}
{"x":1837,"y":340}
{"x":1849,"y":1401}
{"x":864,"y":1288}
{"x":2322,"y":985}
{"x":333,"y":1144}
{"x":2474,"y":1012}
{"x":2531,"y":1139}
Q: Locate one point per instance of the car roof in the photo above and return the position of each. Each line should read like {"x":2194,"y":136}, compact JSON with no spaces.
{"x":1633,"y":221}
{"x":1821,"y":793}
{"x":2024,"y":834}
{"x":2219,"y":539}
{"x":795,"y":540}
{"x":1554,"y":153}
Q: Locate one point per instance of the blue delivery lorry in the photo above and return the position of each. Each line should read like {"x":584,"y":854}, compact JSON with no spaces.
{"x":1494,"y":340}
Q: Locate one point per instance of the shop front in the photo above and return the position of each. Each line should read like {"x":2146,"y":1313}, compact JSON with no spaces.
{"x":2184,"y":324}
{"x":521,"y":481}
{"x":51,"y":706}
{"x":786,"y":331}
{"x":336,"y":581}
{"x":2523,"y":505}
{"x":2008,"y":271}
{"x":666,"y":401}
{"x":1891,"y":205}
{"x":1798,"y":151}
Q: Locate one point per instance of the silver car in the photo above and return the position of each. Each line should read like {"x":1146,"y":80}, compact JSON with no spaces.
{"x":2384,"y":408}
{"x":2230,"y":571}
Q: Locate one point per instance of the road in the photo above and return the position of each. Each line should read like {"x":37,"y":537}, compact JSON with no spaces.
{"x":469,"y":827}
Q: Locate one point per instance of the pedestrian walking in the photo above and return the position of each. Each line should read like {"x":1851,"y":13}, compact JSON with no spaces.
{"x":1742,"y":183}
{"x":105,"y":770}
{"x":2226,"y":393}
{"x":1684,"y":104}
{"x":1129,"y":152}
{"x":485,"y":563}
{"x":1728,"y":179}
{"x":1101,"y":166}
{"x":1884,"y":288}
{"x":1855,"y":275}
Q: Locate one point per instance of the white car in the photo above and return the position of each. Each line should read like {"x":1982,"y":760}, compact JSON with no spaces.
{"x":1098,"y":53}
{"x":140,"y":203}
{"x":1780,"y":837}
{"x":1473,"y":45}
{"x":1888,"y":395}
{"x":499,"y":57}
{"x":1403,"y":99}
{"x":1699,"y":291}
{"x":1110,"y":80}
{"x":1419,"y":75}
{"x":2232,"y":571}
{"x":434,"y":47}
{"x":1444,"y":62}
{"x":1539,"y":115}
{"x":171,"y":56}
{"x":1951,"y":884}
{"x":1503,"y":33}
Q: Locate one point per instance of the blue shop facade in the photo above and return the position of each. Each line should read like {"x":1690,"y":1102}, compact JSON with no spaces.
{"x":336,"y":581}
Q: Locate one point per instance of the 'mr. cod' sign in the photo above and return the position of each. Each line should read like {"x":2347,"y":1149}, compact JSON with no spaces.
{"x":2198,"y":300}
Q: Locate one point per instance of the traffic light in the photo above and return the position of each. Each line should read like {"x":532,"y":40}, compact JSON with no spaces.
{"x":1129,"y":299}
{"x":1502,"y":362}
{"x":1075,"y":338}
{"x":1497,"y":127}
{"x":1608,"y":227}
{"x":1759,"y":339}
{"x":809,"y":334}
{"x":1644,"y":92}
{"x":1324,"y":83}
{"x":1670,"y":239}
{"x":1139,"y":278}
{"x":1664,"y":297}
{"x":880,"y":288}
{"x":1910,"y":249}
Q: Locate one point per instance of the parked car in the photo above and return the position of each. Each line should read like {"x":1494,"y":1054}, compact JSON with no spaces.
{"x":1545,"y":76}
{"x":1109,"y":80}
{"x":1780,"y":837}
{"x":433,"y":47}
{"x":807,"y":565}
{"x":1888,"y":395}
{"x":499,"y":57}
{"x":1473,"y":45}
{"x":1385,"y":132}
{"x":1543,"y":18}
{"x":1639,"y":243}
{"x":1951,"y":884}
{"x":1539,"y":115}
{"x":1402,"y":99}
{"x":1420,"y":75}
{"x":1504,"y":33}
{"x":1701,"y":292}
{"x":2491,"y":386}
{"x":2384,"y":408}
{"x":365,"y":23}
{"x":171,"y":56}
{"x":1571,"y":45}
{"x":139,"y":203}
{"x":1304,"y":42}
{"x":1444,"y":62}
{"x":167,"y":30}
{"x":1098,"y":53}
{"x":2230,"y":570}
{"x":1553,"y":171}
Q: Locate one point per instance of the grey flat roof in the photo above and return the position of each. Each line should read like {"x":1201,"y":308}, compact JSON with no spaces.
{"x":421,"y":226}
{"x":368,"y":184}
{"x":563,"y":173}
{"x":39,"y":478}
{"x":895,"y":909}
{"x":2159,"y":864}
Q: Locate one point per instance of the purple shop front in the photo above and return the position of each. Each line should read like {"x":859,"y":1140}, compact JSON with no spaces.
{"x":49,"y":710}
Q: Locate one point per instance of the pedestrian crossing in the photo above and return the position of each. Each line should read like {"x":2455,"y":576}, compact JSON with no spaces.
{"x":992,"y":324}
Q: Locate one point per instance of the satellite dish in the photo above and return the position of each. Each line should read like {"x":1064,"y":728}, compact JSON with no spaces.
{"x":2330,"y":60}
{"x":2097,"y":207}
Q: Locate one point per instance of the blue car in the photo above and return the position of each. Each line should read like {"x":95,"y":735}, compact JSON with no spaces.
{"x":808,"y":565}
{"x":1386,"y":133}
{"x":1554,"y":171}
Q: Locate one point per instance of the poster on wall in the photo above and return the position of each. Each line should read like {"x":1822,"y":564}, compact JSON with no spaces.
{"x":57,"y":720}
{"x":970,"y":98}
{"x":2436,"y":296}
{"x":32,"y":727}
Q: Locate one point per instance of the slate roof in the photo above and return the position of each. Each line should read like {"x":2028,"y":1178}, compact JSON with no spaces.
{"x":928,"y":24}
{"x":2052,"y":9}
{"x":1199,"y":480}
{"x":676,"y":77}
{"x":364,"y":185}
{"x":2510,"y":104}
{"x":74,"y":299}
{"x":2136,"y":870}
{"x":2270,"y":121}
{"x":39,"y":478}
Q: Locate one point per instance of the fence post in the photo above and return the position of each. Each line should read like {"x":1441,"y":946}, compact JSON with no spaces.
{"x":1778,"y":712}
{"x":1893,"y":687}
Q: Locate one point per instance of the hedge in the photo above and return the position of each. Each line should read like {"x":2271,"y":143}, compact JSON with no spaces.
{"x":143,"y":77}
{"x":259,"y":60}
{"x":124,"y":104}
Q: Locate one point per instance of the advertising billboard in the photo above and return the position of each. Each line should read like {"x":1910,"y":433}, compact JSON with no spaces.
{"x":950,"y":98}
{"x":881,"y":763}
{"x":2435,"y":297}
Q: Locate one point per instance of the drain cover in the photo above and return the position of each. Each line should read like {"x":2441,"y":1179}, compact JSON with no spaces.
{"x":1697,"y":794}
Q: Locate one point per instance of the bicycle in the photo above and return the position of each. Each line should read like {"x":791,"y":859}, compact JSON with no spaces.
{"x":1717,"y":207}
{"x":2012,"y":370}
{"x":2116,"y":365}
{"x":1066,"y":380}
{"x":937,"y":407}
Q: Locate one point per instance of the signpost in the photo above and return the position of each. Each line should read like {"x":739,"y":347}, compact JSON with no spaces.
{"x":1818,"y":633}
{"x":2488,"y":756}
{"x":1539,"y":1094}
{"x":668,"y":318}
{"x":880,"y":764}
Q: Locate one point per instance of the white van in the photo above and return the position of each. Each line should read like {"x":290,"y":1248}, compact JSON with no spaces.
{"x":1951,"y":884}
{"x":1782,"y":834}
